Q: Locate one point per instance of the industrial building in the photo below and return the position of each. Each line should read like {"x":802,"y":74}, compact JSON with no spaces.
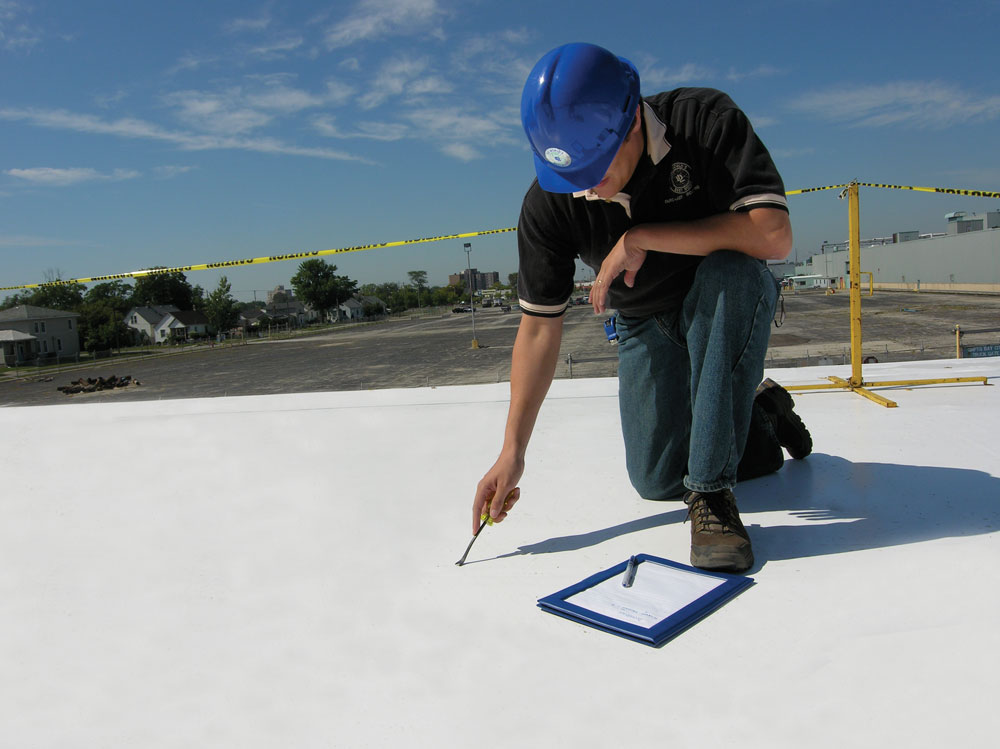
{"x":964,"y":258}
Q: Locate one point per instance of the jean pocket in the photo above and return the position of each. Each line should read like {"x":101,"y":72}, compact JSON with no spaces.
{"x":668,"y":323}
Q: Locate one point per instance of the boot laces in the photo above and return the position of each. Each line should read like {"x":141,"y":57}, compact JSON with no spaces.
{"x":714,"y":512}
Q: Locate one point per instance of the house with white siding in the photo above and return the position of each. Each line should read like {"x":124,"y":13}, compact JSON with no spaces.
{"x":145,"y":320}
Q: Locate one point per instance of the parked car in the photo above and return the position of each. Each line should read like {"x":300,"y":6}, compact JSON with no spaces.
{"x":462,"y":309}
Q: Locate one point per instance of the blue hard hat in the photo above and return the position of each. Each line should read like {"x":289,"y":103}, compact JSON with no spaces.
{"x":576,"y":109}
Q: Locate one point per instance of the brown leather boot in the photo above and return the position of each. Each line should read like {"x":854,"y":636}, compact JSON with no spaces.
{"x":791,"y":432}
{"x":718,"y":539}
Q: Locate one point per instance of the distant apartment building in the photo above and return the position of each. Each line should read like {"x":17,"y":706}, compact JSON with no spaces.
{"x":480,"y":281}
{"x":283,"y":294}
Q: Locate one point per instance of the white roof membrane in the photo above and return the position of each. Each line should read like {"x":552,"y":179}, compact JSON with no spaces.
{"x":280,"y":571}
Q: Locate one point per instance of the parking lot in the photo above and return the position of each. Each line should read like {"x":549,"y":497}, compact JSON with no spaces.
{"x":436,"y":350}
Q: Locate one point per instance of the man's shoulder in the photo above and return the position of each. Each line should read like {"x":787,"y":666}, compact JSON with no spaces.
{"x":539,"y":202}
{"x":709,"y":99}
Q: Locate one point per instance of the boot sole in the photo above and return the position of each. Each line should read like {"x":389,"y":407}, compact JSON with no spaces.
{"x":722,"y":559}
{"x":790,"y":431}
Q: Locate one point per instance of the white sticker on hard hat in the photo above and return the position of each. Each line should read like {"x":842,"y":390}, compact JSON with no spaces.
{"x":557,"y":156}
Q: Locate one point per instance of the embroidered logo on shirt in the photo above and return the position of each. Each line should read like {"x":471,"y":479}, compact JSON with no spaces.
{"x":680,"y":178}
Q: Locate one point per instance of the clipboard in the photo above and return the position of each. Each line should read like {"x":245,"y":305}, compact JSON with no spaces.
{"x":666,"y":598}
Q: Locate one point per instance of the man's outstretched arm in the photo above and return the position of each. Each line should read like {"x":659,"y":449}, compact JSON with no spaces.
{"x":533,"y":364}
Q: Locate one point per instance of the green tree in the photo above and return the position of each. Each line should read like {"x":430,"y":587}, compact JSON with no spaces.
{"x":163,"y":289}
{"x":445,"y":295}
{"x":16,"y":300}
{"x":512,"y":280}
{"x":198,"y":299}
{"x":418,"y":279}
{"x":316,"y":283}
{"x":102,"y":326}
{"x":220,"y":307}
{"x":118,"y":294}
{"x":102,"y":316}
{"x":68,"y":296}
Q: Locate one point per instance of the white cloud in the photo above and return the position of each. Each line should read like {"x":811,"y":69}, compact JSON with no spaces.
{"x":239,"y":25}
{"x":384,"y":131}
{"x":430,"y":85}
{"x":653,"y":78}
{"x":277,"y":48}
{"x":168,"y":172}
{"x":216,"y":113}
{"x":284,"y":99}
{"x":459,"y":134}
{"x":242,"y":109}
{"x":372,"y":19}
{"x":761,"y":71}
{"x":53,"y":177}
{"x":403,"y":76}
{"x":16,"y":34}
{"x":763,"y":121}
{"x":337,"y":92}
{"x":191,"y":62}
{"x":920,"y":104}
{"x":461,"y":151}
{"x":105,"y":101}
{"x":457,"y":124}
{"x":495,"y":53}
{"x":139,"y":129}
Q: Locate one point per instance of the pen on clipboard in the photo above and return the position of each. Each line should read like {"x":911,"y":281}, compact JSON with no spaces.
{"x":630,"y":569}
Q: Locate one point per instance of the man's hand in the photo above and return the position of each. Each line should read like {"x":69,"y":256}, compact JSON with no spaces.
{"x":497,"y":491}
{"x":624,"y":256}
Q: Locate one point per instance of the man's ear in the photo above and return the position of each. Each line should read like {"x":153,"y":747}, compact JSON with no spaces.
{"x":636,"y":123}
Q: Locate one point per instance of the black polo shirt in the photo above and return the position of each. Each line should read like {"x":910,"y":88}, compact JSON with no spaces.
{"x":702,"y":158}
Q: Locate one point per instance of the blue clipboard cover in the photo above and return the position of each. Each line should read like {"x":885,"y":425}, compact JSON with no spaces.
{"x":664,"y":599}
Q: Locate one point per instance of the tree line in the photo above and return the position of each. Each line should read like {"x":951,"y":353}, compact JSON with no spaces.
{"x":102,"y":307}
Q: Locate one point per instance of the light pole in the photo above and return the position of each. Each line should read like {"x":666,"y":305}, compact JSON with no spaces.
{"x":472,"y":299}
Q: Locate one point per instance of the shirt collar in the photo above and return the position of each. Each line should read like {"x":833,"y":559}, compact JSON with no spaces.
{"x":657,"y":147}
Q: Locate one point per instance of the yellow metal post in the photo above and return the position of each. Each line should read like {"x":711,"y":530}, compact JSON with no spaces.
{"x":854,"y":237}
{"x":856,"y":383}
{"x":871,"y":281}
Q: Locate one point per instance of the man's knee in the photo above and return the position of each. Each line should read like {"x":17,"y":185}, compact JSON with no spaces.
{"x":729,"y":269}
{"x":652,"y":486}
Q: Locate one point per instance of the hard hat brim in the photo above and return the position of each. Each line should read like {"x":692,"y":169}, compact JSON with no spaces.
{"x":565,"y":180}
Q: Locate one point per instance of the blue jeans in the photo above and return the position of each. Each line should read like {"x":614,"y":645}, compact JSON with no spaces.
{"x":687,"y":378}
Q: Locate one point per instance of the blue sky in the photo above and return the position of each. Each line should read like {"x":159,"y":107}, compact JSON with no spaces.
{"x":172,"y":133}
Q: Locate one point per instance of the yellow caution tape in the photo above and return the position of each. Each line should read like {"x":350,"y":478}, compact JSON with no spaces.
{"x":941,"y":190}
{"x":401,"y":243}
{"x":813,"y":189}
{"x":256,"y":260}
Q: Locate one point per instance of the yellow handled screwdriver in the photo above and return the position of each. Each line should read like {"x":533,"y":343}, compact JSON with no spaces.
{"x":484,"y":520}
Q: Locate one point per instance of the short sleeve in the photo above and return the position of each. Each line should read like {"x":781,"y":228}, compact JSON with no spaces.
{"x":743,"y":175}
{"x":546,"y":255}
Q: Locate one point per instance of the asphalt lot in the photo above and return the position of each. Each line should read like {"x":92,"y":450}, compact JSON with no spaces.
{"x":437,"y":350}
